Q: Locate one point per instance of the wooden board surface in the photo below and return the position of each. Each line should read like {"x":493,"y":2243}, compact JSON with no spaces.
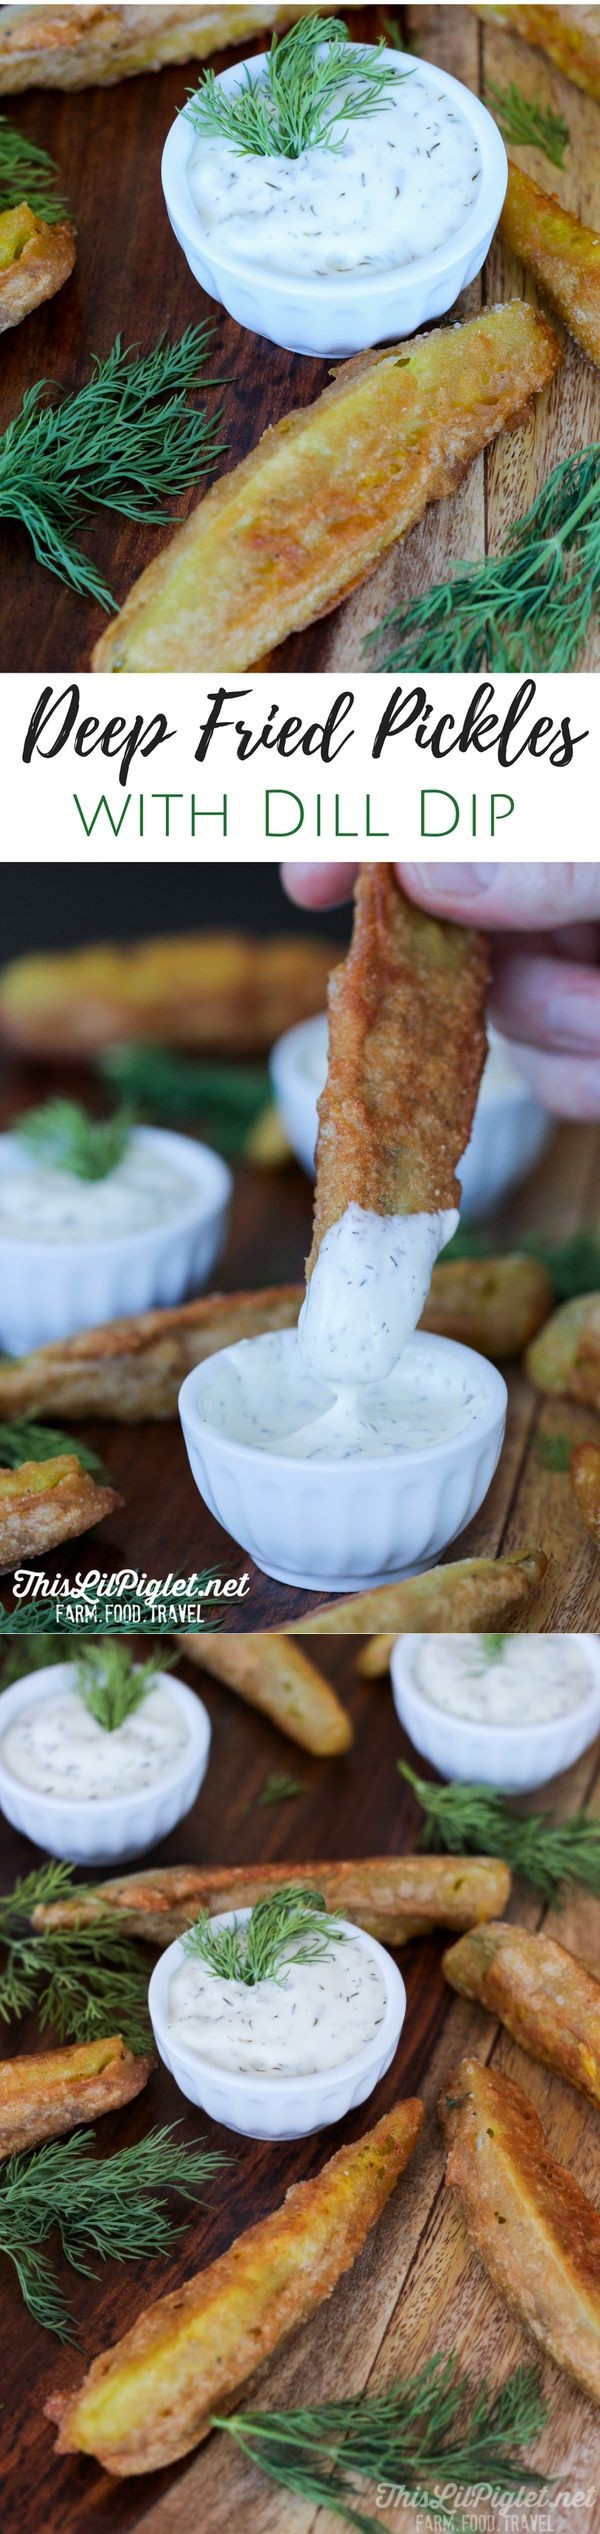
{"x":416,"y":2288}
{"x":131,"y":277}
{"x":165,"y":1527}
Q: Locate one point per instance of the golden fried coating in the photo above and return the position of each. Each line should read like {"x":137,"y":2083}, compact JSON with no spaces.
{"x":133,"y":1369}
{"x":47,"y":1501}
{"x":584,"y":1473}
{"x":493,"y":1304}
{"x":407,"y":1047}
{"x":285,"y":536}
{"x":35,"y":259}
{"x":277,"y":1678}
{"x":570,"y":37}
{"x":562,"y":255}
{"x":565,"y":1358}
{"x":534,"y":2229}
{"x":477,"y":1592}
{"x":53,"y":2090}
{"x":393,"y":1898}
{"x":209,"y":991}
{"x":547,"y":1999}
{"x":90,"y":47}
{"x":151,"y":2398}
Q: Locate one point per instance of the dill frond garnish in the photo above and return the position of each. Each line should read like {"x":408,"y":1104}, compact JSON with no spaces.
{"x":226,"y":1100}
{"x":472,"y":1820}
{"x":28,"y":174}
{"x":115,"y":2208}
{"x":84,"y":1981}
{"x":62,"y":1136}
{"x":127,"y":441}
{"x":24,"y":1440}
{"x":315,"y":82}
{"x":529,"y":608}
{"x":279,"y":1789}
{"x":290,"y":1925}
{"x":553,"y":1450}
{"x":413,"y":2437}
{"x":527,"y":125}
{"x":111,"y":1685}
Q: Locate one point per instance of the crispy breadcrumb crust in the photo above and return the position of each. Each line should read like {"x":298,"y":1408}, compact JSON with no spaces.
{"x":43,"y":1502}
{"x":92,"y":47}
{"x":565,"y":1358}
{"x":570,"y":37}
{"x":211,"y":992}
{"x":276,"y":1677}
{"x":545,"y":1996}
{"x":393,"y":1898}
{"x":562,"y":255}
{"x":44,"y":256}
{"x":133,"y":1369}
{"x":535,"y":2231}
{"x":51,"y":2091}
{"x":476,"y":1592}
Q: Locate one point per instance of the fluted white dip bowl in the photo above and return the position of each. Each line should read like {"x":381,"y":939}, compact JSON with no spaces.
{"x":335,"y":315}
{"x":345,"y":1525}
{"x":510,"y":1128}
{"x":117,"y":1826}
{"x":279,"y":2107}
{"x":515,"y":1758}
{"x":52,"y":1289}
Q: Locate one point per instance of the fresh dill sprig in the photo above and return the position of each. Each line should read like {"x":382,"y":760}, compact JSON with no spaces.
{"x":414,"y":2436}
{"x":553,"y":1450}
{"x":394,"y":34}
{"x":127,"y":441}
{"x":290,"y":1925}
{"x":530,"y":607}
{"x":84,"y":1981}
{"x":493,"y":1646}
{"x":24,"y":1440}
{"x":315,"y":82}
{"x":112,"y":1685}
{"x":115,"y":2207}
{"x":226,"y":1100}
{"x":528,"y":125}
{"x":28,"y":174}
{"x":279,"y":1789}
{"x":572,"y":1265}
{"x":473,"y":1820}
{"x":61,"y":1135}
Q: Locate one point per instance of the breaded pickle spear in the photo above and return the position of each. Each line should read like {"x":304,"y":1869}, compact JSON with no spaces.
{"x":151,"y":2398}
{"x":47,"y":1501}
{"x":565,"y":1358}
{"x":35,"y":259}
{"x":534,"y":2229}
{"x":133,"y":1369}
{"x":562,"y":255}
{"x":89,"y":47}
{"x":547,"y":1999}
{"x":44,"y":2094}
{"x":570,"y":37}
{"x":218,"y":990}
{"x":584,"y":1473}
{"x":393,"y":1898}
{"x":477,"y":1592}
{"x":275,"y":1676}
{"x":494,"y":1304}
{"x":407,"y":1047}
{"x":288,"y":533}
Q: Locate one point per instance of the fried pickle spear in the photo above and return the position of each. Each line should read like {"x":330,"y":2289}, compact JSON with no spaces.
{"x":562,"y":255}
{"x":477,"y":1592}
{"x":584,"y":1473}
{"x":151,"y":2398}
{"x":277,"y":1678}
{"x":90,"y":47}
{"x":393,"y":1898}
{"x":536,"y":2233}
{"x":35,"y":259}
{"x":285,"y":536}
{"x":496,"y":1305}
{"x":570,"y":37}
{"x":47,"y":1501}
{"x":210,"y":991}
{"x":133,"y":1369}
{"x":565,"y":1358}
{"x":547,"y":1999}
{"x":51,"y":2091}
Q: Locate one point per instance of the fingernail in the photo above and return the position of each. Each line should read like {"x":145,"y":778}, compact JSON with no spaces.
{"x":455,"y":879}
{"x":575,"y":1018}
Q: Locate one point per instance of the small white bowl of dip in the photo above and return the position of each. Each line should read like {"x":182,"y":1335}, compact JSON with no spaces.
{"x":47,"y":1733}
{"x":469,"y":1746}
{"x":75,"y":1252}
{"x":263,"y":264}
{"x":281,"y":2102}
{"x":342,"y":1523}
{"x":510,"y":1130}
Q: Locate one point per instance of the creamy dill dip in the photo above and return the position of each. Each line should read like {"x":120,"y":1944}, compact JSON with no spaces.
{"x":503,"y":1680}
{"x":57,"y":1746}
{"x":261,"y":1393}
{"x":314,"y":2015}
{"x":394,"y":187}
{"x":367,"y":1291}
{"x":41,"y":1203}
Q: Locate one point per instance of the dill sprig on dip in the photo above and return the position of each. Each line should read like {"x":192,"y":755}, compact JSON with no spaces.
{"x":28,"y":174}
{"x":127,"y":441}
{"x":61,"y":1135}
{"x":528,"y":608}
{"x":472,"y":1820}
{"x":84,"y":1982}
{"x":112,"y":1686}
{"x":290,"y":1925}
{"x":314,"y":82}
{"x":114,"y":2208}
{"x":24,"y":1440}
{"x":528,"y":125}
{"x":432,"y":2429}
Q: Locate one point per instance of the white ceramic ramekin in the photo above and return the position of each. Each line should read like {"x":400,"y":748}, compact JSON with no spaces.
{"x":343,"y":1525}
{"x":341,"y":314}
{"x":515,"y":1758}
{"x":118,"y":1825}
{"x":510,"y":1128}
{"x":278,"y":2106}
{"x":53,"y":1289}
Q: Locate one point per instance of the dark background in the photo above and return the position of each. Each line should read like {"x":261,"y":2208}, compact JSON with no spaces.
{"x":48,"y":906}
